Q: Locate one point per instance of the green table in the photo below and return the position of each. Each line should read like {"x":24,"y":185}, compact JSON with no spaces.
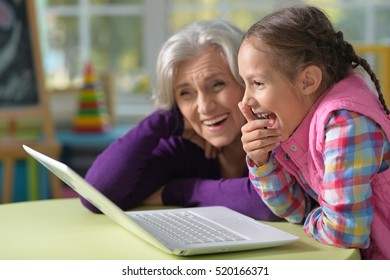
{"x":62,"y":229}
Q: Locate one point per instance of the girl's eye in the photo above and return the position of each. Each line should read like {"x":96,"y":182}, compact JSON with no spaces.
{"x":257,"y":84}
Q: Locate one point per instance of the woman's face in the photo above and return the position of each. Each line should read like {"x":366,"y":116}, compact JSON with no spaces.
{"x":268,"y":92}
{"x":207,"y":95}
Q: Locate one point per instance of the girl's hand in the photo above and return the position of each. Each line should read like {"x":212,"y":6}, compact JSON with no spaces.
{"x":258,"y":140}
{"x":190,"y":134}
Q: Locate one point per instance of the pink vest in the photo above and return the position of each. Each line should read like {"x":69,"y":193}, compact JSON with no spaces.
{"x":302,"y":153}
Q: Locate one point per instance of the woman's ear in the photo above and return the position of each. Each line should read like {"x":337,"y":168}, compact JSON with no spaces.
{"x":310,"y":79}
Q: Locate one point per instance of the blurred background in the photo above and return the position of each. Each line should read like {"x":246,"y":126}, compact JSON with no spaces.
{"x":123,"y":37}
{"x":121,"y":40}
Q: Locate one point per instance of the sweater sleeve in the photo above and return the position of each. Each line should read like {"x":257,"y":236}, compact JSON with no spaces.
{"x":280,"y":190}
{"x":353,"y":154}
{"x":119,"y":171}
{"x":237,"y":194}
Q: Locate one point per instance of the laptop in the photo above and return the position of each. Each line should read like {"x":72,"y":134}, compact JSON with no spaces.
{"x":178,"y":231}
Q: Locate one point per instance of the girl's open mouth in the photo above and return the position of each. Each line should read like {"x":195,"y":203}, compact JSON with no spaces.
{"x":265,"y":116}
{"x":262,"y":116}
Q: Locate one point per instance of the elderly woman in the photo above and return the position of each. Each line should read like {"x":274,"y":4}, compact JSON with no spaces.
{"x":188,"y":152}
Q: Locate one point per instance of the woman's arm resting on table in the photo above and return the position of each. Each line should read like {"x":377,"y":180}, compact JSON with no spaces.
{"x":237,"y":194}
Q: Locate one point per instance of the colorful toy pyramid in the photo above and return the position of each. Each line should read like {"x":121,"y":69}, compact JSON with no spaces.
{"x":92,"y":114}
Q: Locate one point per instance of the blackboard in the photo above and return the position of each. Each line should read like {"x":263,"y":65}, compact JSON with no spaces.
{"x":19,"y":85}
{"x":22,"y":94}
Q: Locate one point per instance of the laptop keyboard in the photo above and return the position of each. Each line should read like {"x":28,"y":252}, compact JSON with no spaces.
{"x":188,"y":228}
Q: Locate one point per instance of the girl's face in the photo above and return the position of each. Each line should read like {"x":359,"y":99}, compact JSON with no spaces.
{"x":268,"y":92}
{"x":207,"y":95}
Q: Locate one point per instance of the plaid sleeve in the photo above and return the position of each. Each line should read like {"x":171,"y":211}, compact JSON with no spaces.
{"x":279,"y":190}
{"x":353,"y":152}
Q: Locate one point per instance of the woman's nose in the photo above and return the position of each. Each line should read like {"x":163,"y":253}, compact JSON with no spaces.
{"x":206,"y":103}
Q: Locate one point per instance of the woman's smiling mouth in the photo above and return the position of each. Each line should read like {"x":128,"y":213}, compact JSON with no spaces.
{"x":216,"y":121}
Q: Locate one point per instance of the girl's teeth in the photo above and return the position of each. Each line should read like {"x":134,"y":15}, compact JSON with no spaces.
{"x":262,"y":116}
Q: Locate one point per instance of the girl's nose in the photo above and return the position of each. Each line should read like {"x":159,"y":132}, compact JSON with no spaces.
{"x":247,"y":100}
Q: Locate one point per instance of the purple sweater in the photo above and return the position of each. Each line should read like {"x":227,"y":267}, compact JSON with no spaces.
{"x":153,"y":154}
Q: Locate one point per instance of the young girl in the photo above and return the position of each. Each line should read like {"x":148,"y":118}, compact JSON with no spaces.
{"x":315,"y":129}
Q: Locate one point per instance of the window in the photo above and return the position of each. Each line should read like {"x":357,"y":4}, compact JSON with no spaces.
{"x":362,"y":21}
{"x":124,"y":36}
{"x":107,"y":33}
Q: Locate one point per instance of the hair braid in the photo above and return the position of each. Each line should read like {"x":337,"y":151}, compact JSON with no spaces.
{"x":354,"y":60}
{"x":329,"y":51}
{"x":374,"y":79}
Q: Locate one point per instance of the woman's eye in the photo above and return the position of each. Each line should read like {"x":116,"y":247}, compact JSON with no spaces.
{"x":218,"y":85}
{"x":184,"y":93}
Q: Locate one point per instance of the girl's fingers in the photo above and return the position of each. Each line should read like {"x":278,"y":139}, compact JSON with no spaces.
{"x":247,"y":112}
{"x":253,"y":132}
{"x":261,"y":156}
{"x":264,"y":145}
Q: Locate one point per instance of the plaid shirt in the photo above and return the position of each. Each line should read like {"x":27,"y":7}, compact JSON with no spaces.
{"x":354,"y":149}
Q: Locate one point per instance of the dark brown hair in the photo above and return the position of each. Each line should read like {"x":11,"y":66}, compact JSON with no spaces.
{"x":299,"y":36}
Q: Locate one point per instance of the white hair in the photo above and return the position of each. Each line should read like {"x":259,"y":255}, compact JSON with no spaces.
{"x":188,"y":43}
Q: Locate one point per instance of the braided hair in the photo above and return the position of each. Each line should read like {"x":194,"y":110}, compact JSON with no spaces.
{"x":299,"y":36}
